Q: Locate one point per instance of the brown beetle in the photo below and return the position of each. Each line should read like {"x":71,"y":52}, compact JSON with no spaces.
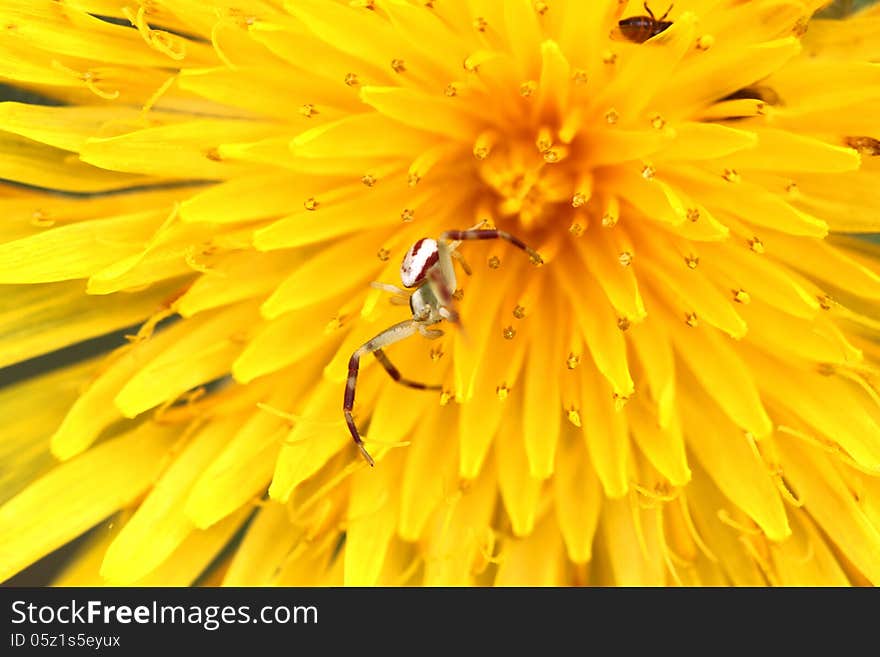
{"x":639,"y":29}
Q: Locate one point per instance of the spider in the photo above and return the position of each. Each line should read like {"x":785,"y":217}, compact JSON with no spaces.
{"x":426,"y":270}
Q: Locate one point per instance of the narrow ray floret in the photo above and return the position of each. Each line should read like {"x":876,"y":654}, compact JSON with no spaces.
{"x":428,"y":270}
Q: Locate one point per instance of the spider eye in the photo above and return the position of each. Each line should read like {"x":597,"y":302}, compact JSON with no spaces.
{"x":418,"y":261}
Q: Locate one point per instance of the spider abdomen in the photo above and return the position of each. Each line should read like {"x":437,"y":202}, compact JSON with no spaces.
{"x":418,"y":261}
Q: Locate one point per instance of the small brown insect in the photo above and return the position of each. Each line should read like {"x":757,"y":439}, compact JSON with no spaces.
{"x":864,"y":145}
{"x":639,"y":29}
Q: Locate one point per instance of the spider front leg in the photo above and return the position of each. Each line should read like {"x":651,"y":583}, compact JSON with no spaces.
{"x":400,"y":297}
{"x":492,"y":234}
{"x":375,"y":346}
{"x":457,"y":255}
{"x":440,"y":283}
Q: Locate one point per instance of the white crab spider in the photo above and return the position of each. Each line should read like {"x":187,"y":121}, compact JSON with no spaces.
{"x":427,"y":270}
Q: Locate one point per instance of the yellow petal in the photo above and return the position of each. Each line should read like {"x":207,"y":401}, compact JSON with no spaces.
{"x":702,"y":141}
{"x":601,"y":251}
{"x":76,"y":250}
{"x":398,"y":410}
{"x":438,"y":113}
{"x":360,"y":136}
{"x":319,"y":435}
{"x":93,"y":409}
{"x":497,"y":372}
{"x":829,"y":501}
{"x":806,"y":559}
{"x":849,"y":205}
{"x":33,"y":408}
{"x":272,"y":349}
{"x":542,"y":406}
{"x":715,"y":74}
{"x":578,"y":497}
{"x":75,"y":495}
{"x":373,"y":513}
{"x":240,"y":472}
{"x":265,"y":546}
{"x":740,"y":268}
{"x":781,"y":150}
{"x":520,"y":490}
{"x":693,"y":292}
{"x":422,"y":30}
{"x":600,"y":331}
{"x":724,"y":452}
{"x":309,"y":283}
{"x":188,"y":563}
{"x":615,"y":144}
{"x":289,"y":38}
{"x":605,"y":430}
{"x":430,"y":472}
{"x":350,"y":29}
{"x":705,"y":502}
{"x":234,"y":277}
{"x":633,"y":544}
{"x":631,"y":86}
{"x":819,"y":341}
{"x":832,"y":262}
{"x":82,"y":569}
{"x":250,"y":197}
{"x":312,"y":564}
{"x":755,"y":204}
{"x":75,"y":32}
{"x":830,"y":404}
{"x":351,"y":209}
{"x":717,"y":365}
{"x":67,"y":128}
{"x":205,"y":352}
{"x":657,"y":202}
{"x":663,"y":445}
{"x":256,"y":89}
{"x":848,"y":80}
{"x":651,"y":342}
{"x":582,"y":27}
{"x":535,"y":560}
{"x":460,"y":538}
{"x":42,"y":318}
{"x":554,"y":79}
{"x":159,"y":525}
{"x":32,"y":212}
{"x":181,"y":150}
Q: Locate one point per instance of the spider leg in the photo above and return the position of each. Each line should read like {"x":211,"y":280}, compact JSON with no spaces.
{"x":399,"y":296}
{"x":438,"y":283}
{"x":453,"y":247}
{"x":493,"y":234}
{"x":395,"y":374}
{"x":393,"y":289}
{"x":387,"y":337}
{"x":464,"y":265}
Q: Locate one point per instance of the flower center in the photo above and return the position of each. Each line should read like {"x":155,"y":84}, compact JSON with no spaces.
{"x":527,"y":178}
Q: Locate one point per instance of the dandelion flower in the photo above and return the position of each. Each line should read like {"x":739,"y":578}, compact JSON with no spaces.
{"x":685,"y":393}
